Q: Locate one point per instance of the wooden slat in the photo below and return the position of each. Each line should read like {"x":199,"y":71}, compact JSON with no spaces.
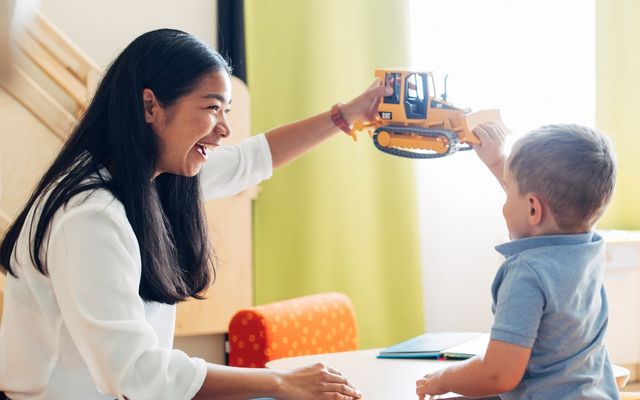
{"x":55,"y":70}
{"x":39,"y":102}
{"x":5,"y":221}
{"x":4,"y":225}
{"x":60,"y":47}
{"x":2,"y":283}
{"x":4,"y":38}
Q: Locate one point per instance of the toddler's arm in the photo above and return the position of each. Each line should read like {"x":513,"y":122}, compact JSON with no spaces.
{"x":498,"y":371}
{"x":491,"y":148}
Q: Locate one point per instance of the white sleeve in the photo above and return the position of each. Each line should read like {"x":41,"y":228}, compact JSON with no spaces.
{"x":233,"y":168}
{"x":94,"y":266}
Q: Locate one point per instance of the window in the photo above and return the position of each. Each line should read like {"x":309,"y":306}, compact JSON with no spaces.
{"x":393,"y":80}
{"x":535,"y":61}
{"x":415,"y":99}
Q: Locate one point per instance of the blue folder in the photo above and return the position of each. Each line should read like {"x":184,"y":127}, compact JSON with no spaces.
{"x":449,"y":345}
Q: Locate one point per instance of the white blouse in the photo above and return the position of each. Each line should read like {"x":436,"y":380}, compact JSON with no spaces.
{"x":83,"y":332}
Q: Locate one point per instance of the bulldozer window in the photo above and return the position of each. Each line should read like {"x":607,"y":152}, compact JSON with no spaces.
{"x":415,"y":102}
{"x":392,"y":80}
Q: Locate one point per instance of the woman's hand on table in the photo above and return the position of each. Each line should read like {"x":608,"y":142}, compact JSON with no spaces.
{"x":314,"y":382}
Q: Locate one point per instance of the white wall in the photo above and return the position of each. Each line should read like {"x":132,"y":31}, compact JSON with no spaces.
{"x":103,"y":28}
{"x":536,"y":62}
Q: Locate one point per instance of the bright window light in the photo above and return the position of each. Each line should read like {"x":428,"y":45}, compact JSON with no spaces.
{"x":535,"y":61}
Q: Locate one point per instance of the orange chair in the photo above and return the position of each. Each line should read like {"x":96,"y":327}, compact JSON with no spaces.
{"x":321,"y":323}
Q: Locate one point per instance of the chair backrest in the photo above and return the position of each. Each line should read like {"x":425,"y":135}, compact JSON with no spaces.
{"x":316,"y":324}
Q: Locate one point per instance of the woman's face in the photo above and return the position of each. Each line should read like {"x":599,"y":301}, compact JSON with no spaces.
{"x":192,"y":127}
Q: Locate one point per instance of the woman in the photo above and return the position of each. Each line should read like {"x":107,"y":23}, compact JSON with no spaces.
{"x":114,"y":235}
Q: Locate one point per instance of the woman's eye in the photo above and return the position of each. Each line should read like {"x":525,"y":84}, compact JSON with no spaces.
{"x":227,"y":110}
{"x":214,"y":108}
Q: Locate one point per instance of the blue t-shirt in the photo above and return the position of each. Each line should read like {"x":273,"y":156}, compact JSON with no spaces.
{"x":549,"y":296}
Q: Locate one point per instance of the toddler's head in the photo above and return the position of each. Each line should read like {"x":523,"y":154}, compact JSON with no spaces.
{"x":569,"y":168}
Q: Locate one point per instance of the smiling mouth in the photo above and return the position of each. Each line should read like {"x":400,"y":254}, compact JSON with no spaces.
{"x":203,"y":148}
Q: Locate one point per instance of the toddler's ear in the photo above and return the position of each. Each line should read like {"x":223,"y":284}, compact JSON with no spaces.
{"x":536,"y":210}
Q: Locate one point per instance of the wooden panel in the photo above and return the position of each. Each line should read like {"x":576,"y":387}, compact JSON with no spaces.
{"x":40,"y":103}
{"x":62,"y":76}
{"x":27,"y":147}
{"x":230,"y":227}
{"x":5,"y":221}
{"x":4,"y":38}
{"x":59,"y":46}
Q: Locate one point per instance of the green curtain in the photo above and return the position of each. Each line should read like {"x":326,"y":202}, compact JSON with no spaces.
{"x":343,"y":217}
{"x":618,"y":102}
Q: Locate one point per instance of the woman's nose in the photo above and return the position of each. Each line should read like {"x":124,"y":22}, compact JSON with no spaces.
{"x":223,"y":129}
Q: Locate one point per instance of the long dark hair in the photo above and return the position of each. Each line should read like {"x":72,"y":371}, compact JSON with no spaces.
{"x":166,"y":213}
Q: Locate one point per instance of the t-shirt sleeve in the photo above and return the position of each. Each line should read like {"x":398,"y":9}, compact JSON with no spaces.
{"x":233,"y":168}
{"x":519,"y":306}
{"x":95,"y":272}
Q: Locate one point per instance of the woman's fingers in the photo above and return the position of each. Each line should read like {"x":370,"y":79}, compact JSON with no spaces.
{"x":338,"y":383}
{"x":365,"y":106}
{"x":373,"y":109}
{"x":343,"y":389}
{"x":335,"y":377}
{"x":333,"y":370}
{"x":380,"y":91}
{"x":376,"y":97}
{"x":376,"y":82}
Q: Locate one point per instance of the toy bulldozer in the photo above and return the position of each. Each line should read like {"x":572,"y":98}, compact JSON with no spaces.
{"x":412,"y":122}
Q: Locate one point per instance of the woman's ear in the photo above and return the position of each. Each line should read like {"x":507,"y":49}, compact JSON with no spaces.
{"x":536,"y":210}
{"x":151,"y":106}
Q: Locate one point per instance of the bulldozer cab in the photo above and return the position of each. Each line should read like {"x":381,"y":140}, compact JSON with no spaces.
{"x":410,"y":96}
{"x":415,"y":96}
{"x":414,"y":122}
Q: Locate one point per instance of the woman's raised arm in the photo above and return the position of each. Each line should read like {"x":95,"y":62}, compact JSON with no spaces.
{"x":289,"y":141}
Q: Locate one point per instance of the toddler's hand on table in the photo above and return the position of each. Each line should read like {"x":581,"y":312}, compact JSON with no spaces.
{"x":430,"y":384}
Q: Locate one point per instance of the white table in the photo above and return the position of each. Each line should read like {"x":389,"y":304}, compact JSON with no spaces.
{"x":386,"y":379}
{"x":377,"y":379}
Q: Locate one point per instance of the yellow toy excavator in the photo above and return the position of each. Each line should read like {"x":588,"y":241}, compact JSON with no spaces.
{"x":412,"y":122}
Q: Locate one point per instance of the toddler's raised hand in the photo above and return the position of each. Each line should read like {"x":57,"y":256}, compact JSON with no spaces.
{"x":491,"y":148}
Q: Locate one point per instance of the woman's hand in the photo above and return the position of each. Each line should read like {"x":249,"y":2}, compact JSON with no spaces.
{"x":431,"y":384}
{"x":291,"y":140}
{"x":364,"y":108}
{"x":317,"y":381}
